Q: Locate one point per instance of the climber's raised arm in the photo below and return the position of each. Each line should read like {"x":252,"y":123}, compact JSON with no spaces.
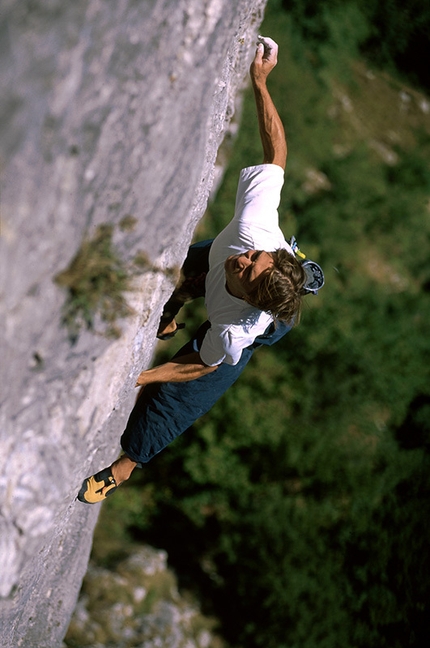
{"x":271,"y":129}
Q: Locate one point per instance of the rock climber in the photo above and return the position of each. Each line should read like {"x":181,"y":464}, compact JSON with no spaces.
{"x":253,"y":284}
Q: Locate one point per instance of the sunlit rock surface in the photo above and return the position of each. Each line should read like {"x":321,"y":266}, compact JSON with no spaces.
{"x":111,"y":113}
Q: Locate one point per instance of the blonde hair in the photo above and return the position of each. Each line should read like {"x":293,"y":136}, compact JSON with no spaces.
{"x":281,"y":290}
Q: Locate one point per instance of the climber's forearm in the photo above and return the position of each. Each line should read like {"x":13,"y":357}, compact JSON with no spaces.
{"x":271,"y":128}
{"x":182,"y":369}
{"x":272,"y":132}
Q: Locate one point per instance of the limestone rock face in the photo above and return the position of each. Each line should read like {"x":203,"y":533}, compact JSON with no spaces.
{"x":111,"y":113}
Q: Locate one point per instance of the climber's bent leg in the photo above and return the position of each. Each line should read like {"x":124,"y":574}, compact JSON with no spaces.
{"x":191,"y":286}
{"x":164,"y":411}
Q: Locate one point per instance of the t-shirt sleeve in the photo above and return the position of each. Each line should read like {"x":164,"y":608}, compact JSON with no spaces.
{"x":222,"y":344}
{"x":211,"y":351}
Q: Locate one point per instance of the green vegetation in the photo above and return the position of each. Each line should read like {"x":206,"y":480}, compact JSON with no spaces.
{"x":298,"y":507}
{"x":393,"y":34}
{"x":96,"y":281}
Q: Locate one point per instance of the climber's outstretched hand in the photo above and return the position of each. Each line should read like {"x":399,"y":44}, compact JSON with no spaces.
{"x":265,"y":59}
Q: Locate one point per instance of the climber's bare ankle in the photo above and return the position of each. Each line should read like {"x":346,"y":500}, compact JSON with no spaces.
{"x":165,"y":328}
{"x":122,"y":469}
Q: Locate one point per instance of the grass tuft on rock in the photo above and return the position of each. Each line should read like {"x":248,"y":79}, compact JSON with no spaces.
{"x":96,"y":281}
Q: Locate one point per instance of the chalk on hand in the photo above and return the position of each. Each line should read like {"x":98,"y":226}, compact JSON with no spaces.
{"x":266,"y":43}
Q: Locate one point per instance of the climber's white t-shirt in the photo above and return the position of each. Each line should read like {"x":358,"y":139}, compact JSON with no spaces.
{"x":255,"y":226}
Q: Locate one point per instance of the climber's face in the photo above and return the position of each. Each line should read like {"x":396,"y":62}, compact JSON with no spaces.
{"x":245,"y":271}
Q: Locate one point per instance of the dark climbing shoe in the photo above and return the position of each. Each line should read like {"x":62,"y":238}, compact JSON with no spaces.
{"x":96,"y":488}
{"x":169,"y":336}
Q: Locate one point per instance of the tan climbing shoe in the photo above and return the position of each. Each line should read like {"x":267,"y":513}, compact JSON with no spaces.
{"x":96,"y":488}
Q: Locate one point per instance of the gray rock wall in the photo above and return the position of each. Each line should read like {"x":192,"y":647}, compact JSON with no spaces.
{"x":109,"y":108}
